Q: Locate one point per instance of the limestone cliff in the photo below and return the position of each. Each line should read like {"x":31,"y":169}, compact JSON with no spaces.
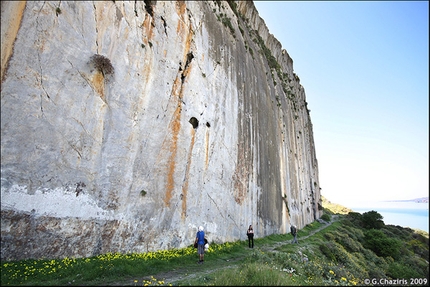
{"x":127,"y":124}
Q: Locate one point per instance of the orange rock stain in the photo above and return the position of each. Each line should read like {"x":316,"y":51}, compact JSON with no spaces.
{"x":99,"y":85}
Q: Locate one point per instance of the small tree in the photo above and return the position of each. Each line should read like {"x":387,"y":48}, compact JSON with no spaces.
{"x":372,"y":219}
{"x":102,"y":64}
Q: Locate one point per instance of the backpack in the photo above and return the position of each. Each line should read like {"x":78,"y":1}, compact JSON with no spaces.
{"x":293,"y":230}
{"x":206,"y":244}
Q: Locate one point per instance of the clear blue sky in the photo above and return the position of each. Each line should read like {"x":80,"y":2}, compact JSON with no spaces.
{"x":364,"y":66}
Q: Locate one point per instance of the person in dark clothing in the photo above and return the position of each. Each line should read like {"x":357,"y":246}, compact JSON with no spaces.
{"x":250,"y":233}
{"x":293,"y":229}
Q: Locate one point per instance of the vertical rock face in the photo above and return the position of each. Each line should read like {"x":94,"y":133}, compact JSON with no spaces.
{"x":126,"y":125}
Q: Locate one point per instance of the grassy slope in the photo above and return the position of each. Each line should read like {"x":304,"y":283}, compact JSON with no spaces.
{"x":339,"y":252}
{"x":327,"y":254}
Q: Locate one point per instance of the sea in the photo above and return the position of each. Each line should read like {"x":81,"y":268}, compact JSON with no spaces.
{"x":404,"y":213}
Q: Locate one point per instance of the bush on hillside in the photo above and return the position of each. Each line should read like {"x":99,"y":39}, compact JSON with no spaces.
{"x":397,"y":231}
{"x":372,"y":219}
{"x":353,"y":218}
{"x":326,"y":249}
{"x":399,"y":270}
{"x":418,"y":248}
{"x":378,"y":242}
{"x":326,"y":217}
{"x":372,"y":258}
{"x":418,"y":264}
{"x":349,"y":244}
{"x":419,"y":235}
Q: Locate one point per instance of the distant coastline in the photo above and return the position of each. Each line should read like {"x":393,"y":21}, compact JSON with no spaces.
{"x":417,"y":200}
{"x":412,"y":213}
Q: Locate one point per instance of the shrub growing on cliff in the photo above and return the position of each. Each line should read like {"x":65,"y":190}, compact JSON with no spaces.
{"x":102,"y":64}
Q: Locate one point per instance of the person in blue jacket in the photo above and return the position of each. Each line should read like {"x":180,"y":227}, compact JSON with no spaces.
{"x":200,"y":240}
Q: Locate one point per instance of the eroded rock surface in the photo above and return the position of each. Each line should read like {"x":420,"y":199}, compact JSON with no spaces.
{"x":200,"y":120}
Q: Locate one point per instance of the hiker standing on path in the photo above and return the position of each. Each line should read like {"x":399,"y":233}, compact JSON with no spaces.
{"x":250,"y":233}
{"x":293,"y":229}
{"x":200,"y":240}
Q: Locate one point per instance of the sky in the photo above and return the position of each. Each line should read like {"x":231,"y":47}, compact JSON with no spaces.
{"x":364,"y":66}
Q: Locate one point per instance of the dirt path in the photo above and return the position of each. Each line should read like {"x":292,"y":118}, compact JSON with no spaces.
{"x":326,"y":224}
{"x":199,"y":270}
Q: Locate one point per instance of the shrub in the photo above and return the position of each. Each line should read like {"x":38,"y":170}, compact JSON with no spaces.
{"x":349,"y":244}
{"x":342,"y":256}
{"x":226,"y":22}
{"x":372,"y":219}
{"x":397,"y":231}
{"x":102,"y":64}
{"x":326,"y":217}
{"x":398,"y":270}
{"x":329,"y":236}
{"x":420,"y":265}
{"x":382,"y":245}
{"x":418,"y":248}
{"x":326,"y":249}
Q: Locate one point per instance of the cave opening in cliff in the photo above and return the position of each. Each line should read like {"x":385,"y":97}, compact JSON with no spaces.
{"x":194,"y":122}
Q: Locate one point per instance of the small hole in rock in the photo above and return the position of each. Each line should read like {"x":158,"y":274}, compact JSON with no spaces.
{"x":194,"y":122}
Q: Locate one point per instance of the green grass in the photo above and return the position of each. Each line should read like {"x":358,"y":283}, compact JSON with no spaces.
{"x":335,"y":254}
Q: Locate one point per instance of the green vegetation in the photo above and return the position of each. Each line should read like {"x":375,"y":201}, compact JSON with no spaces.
{"x":264,"y":50}
{"x":344,"y":252}
{"x":233,"y":7}
{"x":326,"y":217}
{"x":223,"y":17}
{"x":227,"y":23}
{"x":274,"y":66}
{"x":271,"y":60}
